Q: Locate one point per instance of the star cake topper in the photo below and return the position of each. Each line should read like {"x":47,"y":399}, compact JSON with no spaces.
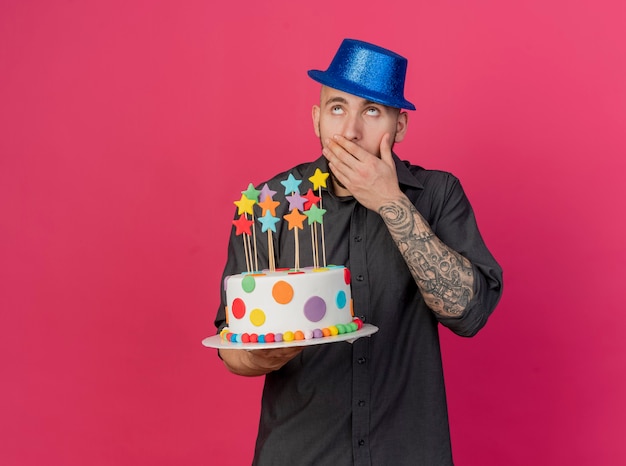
{"x":296,"y":201}
{"x":251,"y":193}
{"x":268,"y":205}
{"x":291,"y":184}
{"x":315,"y":214}
{"x":265,"y":192}
{"x":268,"y":222}
{"x":244,"y":205}
{"x":318,"y":179}
{"x":242,"y":225}
{"x":311,"y":199}
{"x":295,"y":219}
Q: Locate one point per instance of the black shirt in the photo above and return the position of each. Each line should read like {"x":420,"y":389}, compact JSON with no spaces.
{"x":380,"y":400}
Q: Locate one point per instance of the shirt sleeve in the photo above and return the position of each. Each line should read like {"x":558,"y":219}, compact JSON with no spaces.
{"x":455,"y":224}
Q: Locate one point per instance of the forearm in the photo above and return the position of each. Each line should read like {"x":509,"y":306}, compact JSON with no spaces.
{"x":445,"y":278}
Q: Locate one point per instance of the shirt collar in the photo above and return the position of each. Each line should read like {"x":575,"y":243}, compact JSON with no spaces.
{"x":405,"y":177}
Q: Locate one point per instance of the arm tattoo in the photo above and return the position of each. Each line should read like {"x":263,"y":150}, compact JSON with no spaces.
{"x":444,"y":277}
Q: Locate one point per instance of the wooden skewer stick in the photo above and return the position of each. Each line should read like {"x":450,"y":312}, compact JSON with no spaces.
{"x":270,"y":251}
{"x":249,"y":239}
{"x":256,"y":255}
{"x":313,"y":245}
{"x":322,"y":228}
{"x":297,"y":264}
{"x":245,"y":250}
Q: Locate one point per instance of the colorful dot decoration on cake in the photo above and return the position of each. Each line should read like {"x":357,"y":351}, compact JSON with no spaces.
{"x":293,"y":335}
{"x":289,"y":300}
{"x":248,"y":283}
{"x":315,"y":309}
{"x":282,"y":292}
{"x":257,"y":317}
{"x":300,"y":208}
{"x":346,"y":276}
{"x":341,"y":299}
{"x":238,"y":308}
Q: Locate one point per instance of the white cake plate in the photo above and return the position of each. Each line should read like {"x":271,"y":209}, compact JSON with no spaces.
{"x":216,"y":341}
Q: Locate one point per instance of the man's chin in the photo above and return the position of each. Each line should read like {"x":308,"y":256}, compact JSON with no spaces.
{"x":335,"y":180}
{"x":338,"y":183}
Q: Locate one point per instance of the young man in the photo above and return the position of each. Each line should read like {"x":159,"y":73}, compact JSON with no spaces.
{"x":417,"y":259}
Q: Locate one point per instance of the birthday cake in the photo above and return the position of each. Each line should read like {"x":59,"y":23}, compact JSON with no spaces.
{"x":284,"y":305}
{"x":288,"y":305}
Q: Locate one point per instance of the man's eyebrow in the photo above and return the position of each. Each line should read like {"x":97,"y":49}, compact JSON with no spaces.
{"x":341,"y":100}
{"x":336,"y":99}
{"x":371,"y":102}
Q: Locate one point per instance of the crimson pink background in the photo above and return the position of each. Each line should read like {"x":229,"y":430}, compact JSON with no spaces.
{"x":128,"y":128}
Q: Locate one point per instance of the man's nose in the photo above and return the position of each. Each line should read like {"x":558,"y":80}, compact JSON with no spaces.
{"x":353,"y":128}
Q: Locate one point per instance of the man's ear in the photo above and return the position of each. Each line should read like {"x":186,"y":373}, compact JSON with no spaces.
{"x":401,"y":126}
{"x":315,"y":114}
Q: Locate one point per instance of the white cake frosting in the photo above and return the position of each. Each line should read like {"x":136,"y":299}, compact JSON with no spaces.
{"x":306,"y":303}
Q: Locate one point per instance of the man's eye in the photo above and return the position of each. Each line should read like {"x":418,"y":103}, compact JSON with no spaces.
{"x":373,"y":111}
{"x":336,"y":110}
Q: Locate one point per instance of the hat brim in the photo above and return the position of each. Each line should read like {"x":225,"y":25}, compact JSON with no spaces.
{"x":351,"y":88}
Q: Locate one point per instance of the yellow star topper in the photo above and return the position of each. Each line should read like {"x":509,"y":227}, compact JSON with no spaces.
{"x":244,"y":205}
{"x":318,"y":179}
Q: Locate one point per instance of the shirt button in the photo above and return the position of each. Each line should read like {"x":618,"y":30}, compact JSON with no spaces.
{"x":361,"y":403}
{"x":359,"y":278}
{"x":361,"y":360}
{"x":361,"y":442}
{"x":357,"y":239}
